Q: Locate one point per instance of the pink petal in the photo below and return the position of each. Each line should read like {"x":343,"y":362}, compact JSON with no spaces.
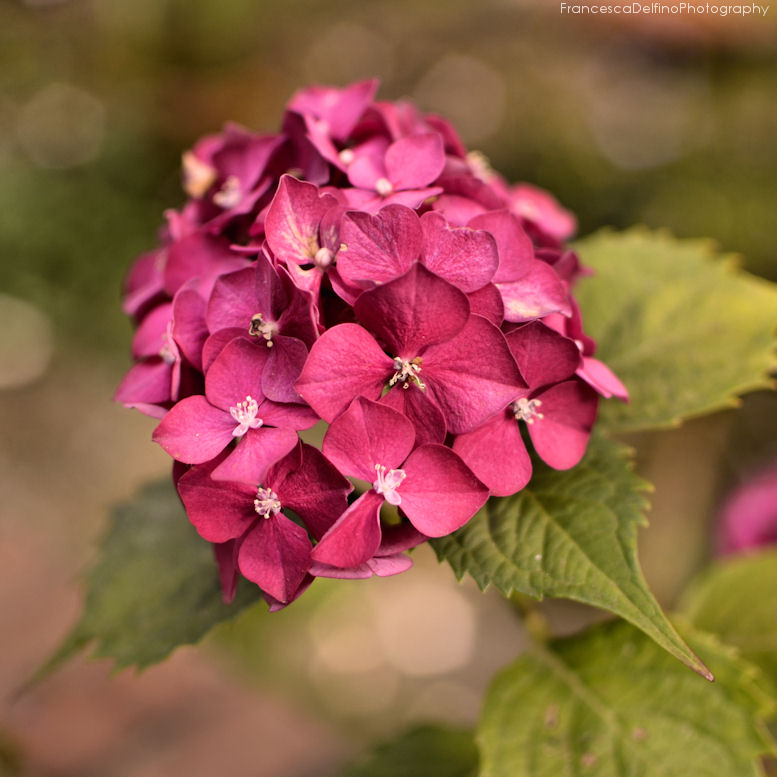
{"x":538,"y":206}
{"x":471,"y":377}
{"x":465,"y":257}
{"x":200,"y":255}
{"x":386,"y":566}
{"x":399,"y":538}
{"x":148,"y":382}
{"x":414,"y":311}
{"x":376,"y":249}
{"x":312,"y":487}
{"x":226,"y":558}
{"x":236,"y":374}
{"x":414,"y":162}
{"x":515,"y":247}
{"x":366,"y":434}
{"x":254,"y":453}
{"x":355,"y":537}
{"x":284,"y":364}
{"x":293,"y":220}
{"x":288,"y":415}
{"x":420,"y":410}
{"x":220,"y":512}
{"x":344,"y":363}
{"x":194,"y":431}
{"x":410,"y":198}
{"x":276,"y":555}
{"x":543,"y":356}
{"x":457,"y":209}
{"x":568,"y":410}
{"x":189,"y":328}
{"x":151,"y":335}
{"x":535,"y":295}
{"x":487,"y":302}
{"x":440,"y":493}
{"x":360,"y":572}
{"x":368,"y":166}
{"x":341,"y":109}
{"x":602,"y":379}
{"x":495,"y":452}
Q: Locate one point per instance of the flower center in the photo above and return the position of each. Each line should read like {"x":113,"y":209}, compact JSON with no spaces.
{"x":387,"y":483}
{"x":383,"y":187}
{"x":526,"y":410}
{"x":323,"y":258}
{"x":261,"y":328}
{"x":407,"y":372}
{"x":347,"y":156}
{"x":245,"y":414}
{"x":267,"y":503}
{"x":198,"y":176}
{"x":228,"y":196}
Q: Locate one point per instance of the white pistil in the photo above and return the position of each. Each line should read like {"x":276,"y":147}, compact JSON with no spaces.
{"x":383,"y":187}
{"x":229,"y":194}
{"x":387,"y":483}
{"x":245,"y":415}
{"x":267,"y":503}
{"x":323,"y":258}
{"x":526,"y":410}
{"x":261,"y":328}
{"x":407,"y":372}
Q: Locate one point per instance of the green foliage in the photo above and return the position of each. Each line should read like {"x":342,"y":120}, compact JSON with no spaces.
{"x":685,"y":331}
{"x":610,"y":702}
{"x":424,"y":751}
{"x":737,"y":600}
{"x":570,"y":534}
{"x":154,"y":586}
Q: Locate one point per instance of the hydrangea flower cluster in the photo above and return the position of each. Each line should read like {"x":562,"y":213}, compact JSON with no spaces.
{"x":359,"y":268}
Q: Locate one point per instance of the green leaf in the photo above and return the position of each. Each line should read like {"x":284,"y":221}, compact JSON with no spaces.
{"x":736,"y":599}
{"x":686,"y":331}
{"x":154,"y":586}
{"x":424,"y":751}
{"x":570,"y":534}
{"x":610,"y":703}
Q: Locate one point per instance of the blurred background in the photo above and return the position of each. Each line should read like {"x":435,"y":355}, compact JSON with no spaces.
{"x":667,"y":121}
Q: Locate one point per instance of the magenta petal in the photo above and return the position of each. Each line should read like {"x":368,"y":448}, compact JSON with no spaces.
{"x":288,"y":415}
{"x":226,"y":558}
{"x":216,"y":343}
{"x":340,"y":109}
{"x":343,"y":363}
{"x":365,"y":435}
{"x":487,"y":302}
{"x":198,"y":255}
{"x":473,"y":376}
{"x":285,"y":361}
{"x":148,"y":382}
{"x":495,"y":452}
{"x":386,"y":566}
{"x":420,"y":410}
{"x":568,"y":411}
{"x":219,"y":511}
{"x":376,"y":249}
{"x":293,"y":219}
{"x":543,"y":355}
{"x":189,"y":328}
{"x":516,"y":252}
{"x":151,"y":335}
{"x":236,"y":374}
{"x":356,"y":535}
{"x":440,"y":493}
{"x":415,"y":161}
{"x":311,"y":487}
{"x":465,"y":257}
{"x":413,"y":311}
{"x":276,"y":555}
{"x":537,"y":294}
{"x":410,"y":198}
{"x":193,"y":431}
{"x":457,"y":209}
{"x":255,"y":453}
{"x":399,"y":538}
{"x":368,"y":167}
{"x":599,"y":376}
{"x":360,"y":572}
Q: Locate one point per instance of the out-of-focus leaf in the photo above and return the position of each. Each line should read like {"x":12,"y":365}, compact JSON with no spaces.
{"x":609,"y":702}
{"x":569,"y":534}
{"x":686,"y":331}
{"x":736,"y":598}
{"x":153,"y":587}
{"x":424,"y":751}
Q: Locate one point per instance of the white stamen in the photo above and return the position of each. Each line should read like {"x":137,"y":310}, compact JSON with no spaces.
{"x":407,"y":370}
{"x":383,"y":187}
{"x":261,"y":328}
{"x":346,"y":156}
{"x":228,"y":196}
{"x":198,"y":176}
{"x":387,"y":484}
{"x":267,"y":503}
{"x":480,"y":166}
{"x":169,"y":350}
{"x":526,"y":410}
{"x":245,"y":415}
{"x":323,"y":258}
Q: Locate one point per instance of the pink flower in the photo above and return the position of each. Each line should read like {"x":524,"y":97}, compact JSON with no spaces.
{"x":748,"y":520}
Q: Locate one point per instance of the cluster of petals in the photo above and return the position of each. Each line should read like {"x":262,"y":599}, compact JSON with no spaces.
{"x":359,"y":269}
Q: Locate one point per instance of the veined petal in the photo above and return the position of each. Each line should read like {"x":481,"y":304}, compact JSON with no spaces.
{"x":236,"y":374}
{"x":189,"y":328}
{"x":599,"y":376}
{"x":538,"y":293}
{"x":543,"y":355}
{"x":343,"y":363}
{"x":440,"y":493}
{"x":516,"y":251}
{"x":415,"y":161}
{"x":421,"y":410}
{"x":255,"y":453}
{"x":285,"y":361}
